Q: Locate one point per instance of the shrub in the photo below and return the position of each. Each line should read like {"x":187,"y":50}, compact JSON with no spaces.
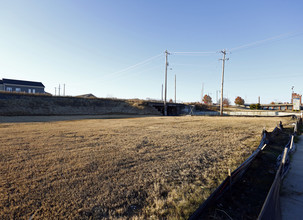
{"x":258,"y":106}
{"x":255,"y":106}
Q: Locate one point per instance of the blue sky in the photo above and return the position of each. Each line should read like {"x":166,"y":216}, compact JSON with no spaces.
{"x":115,"y":48}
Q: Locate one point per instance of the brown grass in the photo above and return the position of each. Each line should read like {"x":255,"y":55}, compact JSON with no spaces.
{"x":119,"y":168}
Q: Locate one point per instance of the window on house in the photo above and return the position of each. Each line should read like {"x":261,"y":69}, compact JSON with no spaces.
{"x":34,"y":91}
{"x":18,"y":90}
{"x":29,"y":90}
{"x":9,"y":89}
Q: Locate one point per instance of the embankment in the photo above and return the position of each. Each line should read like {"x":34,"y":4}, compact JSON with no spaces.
{"x":16,"y":104}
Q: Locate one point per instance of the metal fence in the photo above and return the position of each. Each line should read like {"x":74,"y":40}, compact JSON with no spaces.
{"x":271,"y":207}
{"x":228,"y":182}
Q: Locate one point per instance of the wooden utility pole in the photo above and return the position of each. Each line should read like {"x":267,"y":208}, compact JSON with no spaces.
{"x":162,"y":93}
{"x":59,"y":90}
{"x":175,"y":88}
{"x":259,"y":101}
{"x":292,"y":94}
{"x":165,"y":90}
{"x":202,"y":95}
{"x":223,"y":64}
{"x":63,"y":89}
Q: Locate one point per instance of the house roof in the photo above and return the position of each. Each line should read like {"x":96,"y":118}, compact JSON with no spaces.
{"x":87,"y":96}
{"x":21,"y":82}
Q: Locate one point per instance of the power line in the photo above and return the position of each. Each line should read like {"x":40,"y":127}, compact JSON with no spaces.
{"x":144,"y":62}
{"x":138,"y":72}
{"x":134,"y":73}
{"x":208,"y":64}
{"x":136,"y":65}
{"x":210,"y":52}
{"x":260,"y":42}
{"x":267,"y":77}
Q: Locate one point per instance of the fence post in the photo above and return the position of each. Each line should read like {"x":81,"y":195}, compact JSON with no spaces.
{"x":229,"y":174}
{"x":284,"y":158}
{"x":263,"y":146}
{"x":292,"y":141}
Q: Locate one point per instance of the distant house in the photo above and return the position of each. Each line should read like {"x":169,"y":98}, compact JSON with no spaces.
{"x":86,"y":96}
{"x":12,"y":85}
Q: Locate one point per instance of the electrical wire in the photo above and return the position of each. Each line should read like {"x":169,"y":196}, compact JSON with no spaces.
{"x":208,"y":64}
{"x":199,"y":53}
{"x":260,"y":42}
{"x":122,"y":76}
{"x":193,"y":53}
{"x":136,"y":65}
{"x":268,"y":77}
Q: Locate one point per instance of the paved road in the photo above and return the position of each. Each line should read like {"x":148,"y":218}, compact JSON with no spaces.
{"x":292,"y":188}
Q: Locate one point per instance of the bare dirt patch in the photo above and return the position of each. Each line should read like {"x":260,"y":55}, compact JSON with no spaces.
{"x":110,"y":168}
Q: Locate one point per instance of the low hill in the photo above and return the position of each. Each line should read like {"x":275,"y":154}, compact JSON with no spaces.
{"x":19,"y":104}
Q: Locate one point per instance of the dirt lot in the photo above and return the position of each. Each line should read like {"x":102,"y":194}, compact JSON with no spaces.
{"x":119,"y":168}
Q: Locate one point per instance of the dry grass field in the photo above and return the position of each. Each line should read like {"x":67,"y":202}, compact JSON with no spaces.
{"x":154,"y":167}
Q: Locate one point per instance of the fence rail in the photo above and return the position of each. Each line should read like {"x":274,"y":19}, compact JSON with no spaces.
{"x":271,"y":206}
{"x":228,"y":182}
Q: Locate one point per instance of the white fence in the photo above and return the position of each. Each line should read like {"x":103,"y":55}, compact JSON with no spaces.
{"x":246,"y":113}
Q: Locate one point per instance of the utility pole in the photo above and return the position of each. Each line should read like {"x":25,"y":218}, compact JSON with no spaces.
{"x":259,"y":100}
{"x":59,"y":90}
{"x":162,"y":93}
{"x":55,"y":91}
{"x":64,"y":89}
{"x":165,"y":91}
{"x":292,"y":94}
{"x":202,"y":93}
{"x":175,"y":88}
{"x":223,"y":64}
